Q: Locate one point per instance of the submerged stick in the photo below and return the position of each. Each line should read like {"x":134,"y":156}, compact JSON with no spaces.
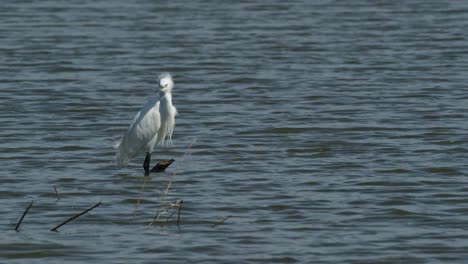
{"x":75,"y":216}
{"x":222,"y":221}
{"x":178,"y":215}
{"x":57,"y":193}
{"x":22,"y":217}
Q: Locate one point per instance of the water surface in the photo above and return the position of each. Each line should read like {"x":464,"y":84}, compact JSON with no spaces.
{"x":329,"y":131}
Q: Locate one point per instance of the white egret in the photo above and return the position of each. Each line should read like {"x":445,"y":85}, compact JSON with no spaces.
{"x":152,"y":125}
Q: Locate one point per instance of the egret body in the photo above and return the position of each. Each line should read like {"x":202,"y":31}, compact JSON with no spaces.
{"x":152,"y":125}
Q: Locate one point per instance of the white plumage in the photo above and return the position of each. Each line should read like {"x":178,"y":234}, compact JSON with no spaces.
{"x":152,"y":125}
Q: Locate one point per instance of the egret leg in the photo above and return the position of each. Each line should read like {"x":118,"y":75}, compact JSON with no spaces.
{"x":146,"y":164}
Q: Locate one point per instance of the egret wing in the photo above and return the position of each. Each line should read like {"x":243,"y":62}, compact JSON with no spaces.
{"x":142,"y":130}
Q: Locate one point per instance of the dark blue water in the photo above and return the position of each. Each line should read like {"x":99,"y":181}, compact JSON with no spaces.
{"x":320,"y":131}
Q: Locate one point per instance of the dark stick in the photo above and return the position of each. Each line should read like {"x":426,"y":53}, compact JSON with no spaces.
{"x":169,"y":217}
{"x":22,"y":217}
{"x":57,"y":193}
{"x":75,"y":216}
{"x":178,"y":215}
{"x":222,"y":221}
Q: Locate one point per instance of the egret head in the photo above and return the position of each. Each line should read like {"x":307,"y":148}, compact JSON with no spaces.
{"x":165,"y":82}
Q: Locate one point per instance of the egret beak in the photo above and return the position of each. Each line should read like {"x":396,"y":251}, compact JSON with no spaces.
{"x":163,"y":87}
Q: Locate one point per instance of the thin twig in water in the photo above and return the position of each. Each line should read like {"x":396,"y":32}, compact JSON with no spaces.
{"x":178,"y":215}
{"x":22,"y":217}
{"x":172,"y":205}
{"x":175,"y":171}
{"x":57,"y":193}
{"x":163,"y":197}
{"x":222,"y":221}
{"x":75,"y":216}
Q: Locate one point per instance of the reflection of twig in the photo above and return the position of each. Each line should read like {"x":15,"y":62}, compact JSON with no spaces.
{"x":57,"y":193}
{"x":166,"y":191}
{"x":75,"y":216}
{"x":139,"y":197}
{"x":222,"y":221}
{"x":22,"y":217}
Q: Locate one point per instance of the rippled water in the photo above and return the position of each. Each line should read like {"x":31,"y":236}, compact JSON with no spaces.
{"x":327,"y":131}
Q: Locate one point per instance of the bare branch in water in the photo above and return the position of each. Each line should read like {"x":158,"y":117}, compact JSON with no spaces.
{"x":222,"y":221}
{"x":75,"y":216}
{"x":22,"y":217}
{"x":169,"y":217}
{"x":57,"y":193}
{"x":178,"y":205}
{"x":166,"y":191}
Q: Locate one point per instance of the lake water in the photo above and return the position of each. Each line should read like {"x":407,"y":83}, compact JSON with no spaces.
{"x":320,"y":131}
